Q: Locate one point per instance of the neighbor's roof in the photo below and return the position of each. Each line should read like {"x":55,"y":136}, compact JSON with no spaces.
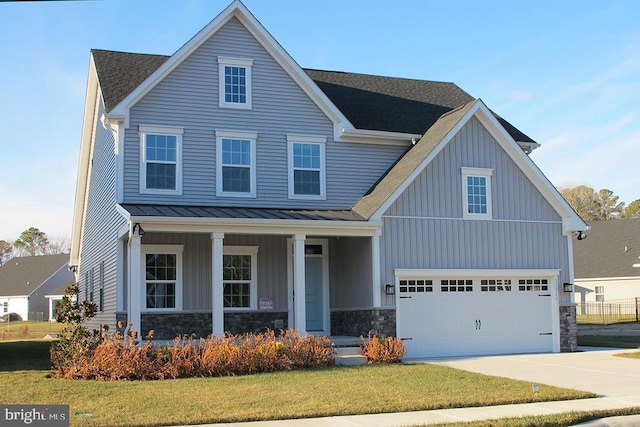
{"x":610,"y":250}
{"x":144,"y":210}
{"x":367,"y":101}
{"x":23,"y":275}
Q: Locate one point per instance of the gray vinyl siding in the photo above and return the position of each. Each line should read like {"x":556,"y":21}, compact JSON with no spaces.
{"x":196,"y":266}
{"x":101,"y":223}
{"x":188,"y":98}
{"x":350,"y":272}
{"x":424,"y":229}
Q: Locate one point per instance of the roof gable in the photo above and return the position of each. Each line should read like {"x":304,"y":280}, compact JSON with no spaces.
{"x":23,"y":275}
{"x":238,"y":10}
{"x":405,"y":171}
{"x":611,"y":249}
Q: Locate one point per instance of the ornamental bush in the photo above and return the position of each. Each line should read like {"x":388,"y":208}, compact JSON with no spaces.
{"x":118,"y":356}
{"x":383,"y":350}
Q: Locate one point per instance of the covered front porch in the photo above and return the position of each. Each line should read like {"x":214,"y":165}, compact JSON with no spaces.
{"x":210,"y":274}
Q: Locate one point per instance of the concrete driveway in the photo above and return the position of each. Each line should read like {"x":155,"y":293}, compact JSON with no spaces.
{"x":592,"y":369}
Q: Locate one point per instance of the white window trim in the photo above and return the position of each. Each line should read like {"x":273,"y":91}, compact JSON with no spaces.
{"x":253,"y":287}
{"x":161,"y":249}
{"x":160,"y":130}
{"x":230,"y":134}
{"x":306,"y":139}
{"x":224,"y":61}
{"x":471,"y":172}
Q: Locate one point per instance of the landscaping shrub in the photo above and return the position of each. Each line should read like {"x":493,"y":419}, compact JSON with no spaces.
{"x":383,"y":350}
{"x":118,"y":356}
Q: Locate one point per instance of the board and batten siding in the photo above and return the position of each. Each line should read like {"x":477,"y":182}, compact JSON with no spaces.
{"x":424,"y":228}
{"x":188,"y":98}
{"x":101,"y":222}
{"x":350,"y":272}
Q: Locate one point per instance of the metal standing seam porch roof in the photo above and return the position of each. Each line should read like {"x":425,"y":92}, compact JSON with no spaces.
{"x":145,"y":210}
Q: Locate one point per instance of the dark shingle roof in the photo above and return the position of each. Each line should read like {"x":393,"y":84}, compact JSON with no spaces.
{"x":23,"y":275}
{"x":119,"y":73}
{"x":610,"y":250}
{"x":142,"y":210}
{"x":368,"y":102}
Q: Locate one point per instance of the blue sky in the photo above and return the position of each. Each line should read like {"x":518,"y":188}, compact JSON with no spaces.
{"x":567,"y":73}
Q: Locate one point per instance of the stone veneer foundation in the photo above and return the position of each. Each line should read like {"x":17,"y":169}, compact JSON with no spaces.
{"x":568,"y":328}
{"x":377,"y":321}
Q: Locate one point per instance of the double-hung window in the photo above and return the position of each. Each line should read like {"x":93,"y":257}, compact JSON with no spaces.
{"x":476,"y":190}
{"x":160,"y":160}
{"x":236,"y":163}
{"x":235,"y":82}
{"x":162,"y":276}
{"x":306,"y":167}
{"x":239,"y":277}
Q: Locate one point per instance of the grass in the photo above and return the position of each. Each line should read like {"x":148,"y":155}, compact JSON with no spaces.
{"x":23,"y":330}
{"x":284,"y":395}
{"x":555,"y":420}
{"x":626,"y":341}
{"x":634,"y":355}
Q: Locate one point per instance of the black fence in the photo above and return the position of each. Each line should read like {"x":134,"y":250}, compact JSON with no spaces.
{"x":608,"y":312}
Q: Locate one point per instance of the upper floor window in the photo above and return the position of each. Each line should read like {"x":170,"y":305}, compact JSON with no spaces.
{"x":235,"y":82}
{"x":306,"y":167}
{"x":236,"y":170}
{"x":160,"y":160}
{"x":476,"y":190}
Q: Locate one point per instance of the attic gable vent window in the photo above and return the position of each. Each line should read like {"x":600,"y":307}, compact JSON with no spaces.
{"x":476,"y":191}
{"x":235,"y":82}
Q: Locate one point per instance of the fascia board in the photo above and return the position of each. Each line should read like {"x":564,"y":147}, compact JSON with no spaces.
{"x":238,"y":10}
{"x":443,"y":142}
{"x":264,"y":226}
{"x":601,"y":279}
{"x":88,"y":124}
{"x":570,"y":220}
{"x":378,"y":137}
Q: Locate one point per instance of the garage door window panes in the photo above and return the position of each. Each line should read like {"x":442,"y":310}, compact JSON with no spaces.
{"x":416,"y":286}
{"x":495,"y":285}
{"x":456,"y":285}
{"x":533,"y":285}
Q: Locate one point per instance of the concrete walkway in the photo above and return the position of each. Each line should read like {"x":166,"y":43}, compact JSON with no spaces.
{"x":616,"y":380}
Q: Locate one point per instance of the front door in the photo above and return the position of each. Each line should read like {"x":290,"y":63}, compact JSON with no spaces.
{"x":314,"y":293}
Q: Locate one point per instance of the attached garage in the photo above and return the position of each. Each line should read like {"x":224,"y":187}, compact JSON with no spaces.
{"x":475,"y":312}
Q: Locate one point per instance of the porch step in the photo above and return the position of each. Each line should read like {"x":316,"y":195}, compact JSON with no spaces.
{"x":349,"y":356}
{"x":339,"y":341}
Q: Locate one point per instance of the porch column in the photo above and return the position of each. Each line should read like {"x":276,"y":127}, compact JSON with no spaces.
{"x":137,"y":291}
{"x":299,"y":290}
{"x":375,"y":268}
{"x":217,"y":299}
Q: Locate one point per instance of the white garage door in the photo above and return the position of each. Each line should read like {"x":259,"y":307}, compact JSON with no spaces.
{"x":455,"y":316}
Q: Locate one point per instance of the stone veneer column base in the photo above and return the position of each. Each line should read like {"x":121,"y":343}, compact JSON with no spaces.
{"x":568,"y":328}
{"x":361,"y":322}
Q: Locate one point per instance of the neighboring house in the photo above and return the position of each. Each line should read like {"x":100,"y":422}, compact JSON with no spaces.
{"x":224,"y":188}
{"x":25,"y":283}
{"x":604,"y":262}
{"x":56,"y":296}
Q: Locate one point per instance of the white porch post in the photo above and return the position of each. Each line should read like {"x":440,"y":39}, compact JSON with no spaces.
{"x":136,"y":285}
{"x":299,"y":303}
{"x":375,"y":268}
{"x":217,"y":300}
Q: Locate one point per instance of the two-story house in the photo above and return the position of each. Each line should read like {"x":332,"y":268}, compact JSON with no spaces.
{"x":225,"y":188}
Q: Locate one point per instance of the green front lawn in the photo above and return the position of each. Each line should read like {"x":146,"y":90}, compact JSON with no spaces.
{"x":23,"y":330}
{"x":299,"y":394}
